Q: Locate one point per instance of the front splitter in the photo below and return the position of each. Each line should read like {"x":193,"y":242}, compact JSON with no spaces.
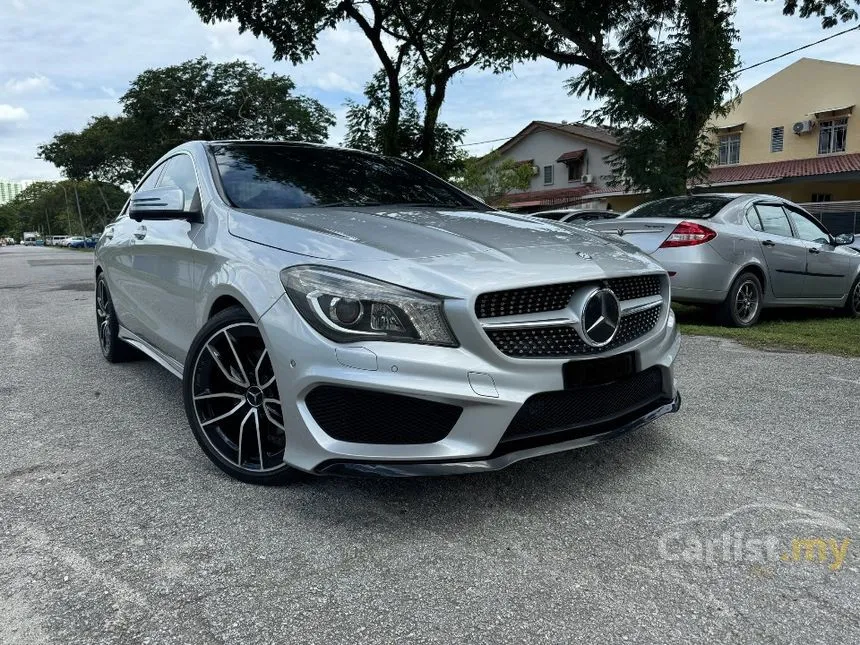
{"x":432,"y":468}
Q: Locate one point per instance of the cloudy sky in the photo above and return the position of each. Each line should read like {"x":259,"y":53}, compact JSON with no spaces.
{"x":63,"y":61}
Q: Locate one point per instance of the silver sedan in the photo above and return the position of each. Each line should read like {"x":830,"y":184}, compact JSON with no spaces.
{"x":333,"y":311}
{"x":744,"y":253}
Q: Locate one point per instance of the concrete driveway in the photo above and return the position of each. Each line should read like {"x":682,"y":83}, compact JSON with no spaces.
{"x":706,"y":527}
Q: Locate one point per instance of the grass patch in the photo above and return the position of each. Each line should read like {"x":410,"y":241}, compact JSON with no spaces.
{"x":807,"y":330}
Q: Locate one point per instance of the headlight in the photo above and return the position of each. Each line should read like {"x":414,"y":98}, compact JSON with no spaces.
{"x":348,"y":307}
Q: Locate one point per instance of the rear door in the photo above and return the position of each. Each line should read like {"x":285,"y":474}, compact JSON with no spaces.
{"x":784,"y":254}
{"x":826,"y":268}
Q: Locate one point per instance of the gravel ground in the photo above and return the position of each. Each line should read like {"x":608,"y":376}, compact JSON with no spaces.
{"x":115,"y":528}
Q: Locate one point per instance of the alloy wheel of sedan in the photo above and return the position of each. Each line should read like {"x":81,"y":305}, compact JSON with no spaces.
{"x":747,"y":302}
{"x":104,"y":313}
{"x":234,"y":405}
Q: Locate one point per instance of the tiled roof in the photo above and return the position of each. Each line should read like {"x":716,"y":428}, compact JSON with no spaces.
{"x":578,"y":130}
{"x":776,"y":170}
{"x":549,"y":197}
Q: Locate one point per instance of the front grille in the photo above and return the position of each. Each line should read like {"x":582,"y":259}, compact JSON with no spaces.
{"x":365,"y":416}
{"x":585,"y":409}
{"x":555,"y":342}
{"x":553,"y":297}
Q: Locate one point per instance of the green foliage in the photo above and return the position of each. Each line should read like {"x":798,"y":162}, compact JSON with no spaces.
{"x":419,"y":44}
{"x":491,"y":177}
{"x":50,"y":207}
{"x":662,"y":69}
{"x":686,"y":70}
{"x":194,"y":100}
{"x":366,"y":130}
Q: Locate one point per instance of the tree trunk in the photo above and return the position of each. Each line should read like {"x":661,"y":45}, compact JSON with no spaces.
{"x":391,"y":136}
{"x":434,"y":98}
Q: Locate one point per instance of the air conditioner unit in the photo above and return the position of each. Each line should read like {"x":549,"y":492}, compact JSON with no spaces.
{"x":535,"y":171}
{"x":587,"y":179}
{"x":802,"y":127}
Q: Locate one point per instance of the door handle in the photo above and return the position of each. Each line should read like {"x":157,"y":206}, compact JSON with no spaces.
{"x":768,"y":243}
{"x":814,"y":250}
{"x":140,"y":233}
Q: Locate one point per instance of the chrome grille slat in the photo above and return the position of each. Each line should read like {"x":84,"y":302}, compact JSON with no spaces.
{"x":539,"y":322}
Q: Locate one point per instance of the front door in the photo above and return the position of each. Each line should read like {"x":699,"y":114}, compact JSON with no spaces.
{"x":162,"y":268}
{"x":826,"y":269}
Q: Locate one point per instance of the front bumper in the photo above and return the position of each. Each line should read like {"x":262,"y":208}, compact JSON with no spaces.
{"x":488,"y":386}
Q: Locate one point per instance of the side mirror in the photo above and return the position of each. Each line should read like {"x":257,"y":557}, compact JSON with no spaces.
{"x":843,"y":239}
{"x":159,"y":203}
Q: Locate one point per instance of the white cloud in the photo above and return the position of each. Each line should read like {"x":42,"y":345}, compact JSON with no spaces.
{"x":32,"y":84}
{"x":12,"y":114}
{"x":108,"y":91}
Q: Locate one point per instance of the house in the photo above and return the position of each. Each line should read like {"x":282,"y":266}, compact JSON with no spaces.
{"x":793,"y":135}
{"x":568,"y":163}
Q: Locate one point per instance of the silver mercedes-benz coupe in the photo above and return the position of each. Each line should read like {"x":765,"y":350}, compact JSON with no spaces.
{"x":743,"y":253}
{"x":334,"y":311}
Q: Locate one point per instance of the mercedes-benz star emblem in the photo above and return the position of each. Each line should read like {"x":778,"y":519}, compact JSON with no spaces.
{"x":583,"y":255}
{"x":254,"y":396}
{"x":620,"y":232}
{"x":600,"y":316}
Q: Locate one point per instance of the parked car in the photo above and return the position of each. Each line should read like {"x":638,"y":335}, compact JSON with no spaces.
{"x":75,"y":242}
{"x":576,"y":215}
{"x":334,"y":311}
{"x":744,"y":253}
{"x":56,"y":240}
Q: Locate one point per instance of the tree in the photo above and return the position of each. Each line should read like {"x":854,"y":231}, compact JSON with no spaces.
{"x":418,"y":43}
{"x":51,"y":207}
{"x":662,"y":68}
{"x":197,"y":99}
{"x":491,"y":178}
{"x":366,"y":130}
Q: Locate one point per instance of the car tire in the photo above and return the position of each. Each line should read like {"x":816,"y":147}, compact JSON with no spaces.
{"x":852,"y":303}
{"x":232,"y":401}
{"x":107,"y":326}
{"x":742,"y":307}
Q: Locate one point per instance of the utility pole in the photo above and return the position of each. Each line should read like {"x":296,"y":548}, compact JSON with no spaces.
{"x":68,"y":210}
{"x":48,"y":221}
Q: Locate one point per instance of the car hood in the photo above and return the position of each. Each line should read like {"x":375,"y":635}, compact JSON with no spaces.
{"x":373,"y":233}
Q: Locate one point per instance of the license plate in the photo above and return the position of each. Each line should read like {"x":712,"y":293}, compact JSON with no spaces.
{"x":598,"y":371}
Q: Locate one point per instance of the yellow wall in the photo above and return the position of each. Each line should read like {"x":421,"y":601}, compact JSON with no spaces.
{"x":792,"y":95}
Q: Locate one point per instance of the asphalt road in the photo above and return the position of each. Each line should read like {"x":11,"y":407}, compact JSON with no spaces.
{"x":115,"y":528}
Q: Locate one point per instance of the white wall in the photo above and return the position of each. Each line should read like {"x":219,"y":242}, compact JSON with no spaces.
{"x":548,"y":145}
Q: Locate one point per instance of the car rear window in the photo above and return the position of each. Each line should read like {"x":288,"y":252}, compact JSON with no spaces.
{"x":280,"y":176}
{"x":692,"y":207}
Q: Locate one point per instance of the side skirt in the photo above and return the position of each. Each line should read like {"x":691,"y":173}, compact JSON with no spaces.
{"x":171,"y":365}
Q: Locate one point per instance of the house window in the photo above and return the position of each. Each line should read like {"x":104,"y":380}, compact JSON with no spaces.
{"x":777,"y":136}
{"x":730,"y":149}
{"x":547,"y":175}
{"x":821,"y":197}
{"x":574,"y":170}
{"x":831,"y":136}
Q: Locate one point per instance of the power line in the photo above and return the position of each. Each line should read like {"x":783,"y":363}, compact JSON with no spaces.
{"x":740,"y":71}
{"x":797,"y":49}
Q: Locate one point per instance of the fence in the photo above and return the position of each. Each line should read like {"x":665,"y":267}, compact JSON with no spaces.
{"x":837,"y":217}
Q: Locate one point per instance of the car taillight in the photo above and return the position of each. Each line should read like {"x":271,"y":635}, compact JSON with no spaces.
{"x":688,"y":234}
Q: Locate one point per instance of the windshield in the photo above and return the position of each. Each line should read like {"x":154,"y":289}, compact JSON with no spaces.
{"x":693,"y":207}
{"x":273,"y":176}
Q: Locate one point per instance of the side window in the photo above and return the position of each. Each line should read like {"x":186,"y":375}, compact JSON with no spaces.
{"x":753,"y":220}
{"x":806,"y":229}
{"x":773,"y":219}
{"x":180,"y":174}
